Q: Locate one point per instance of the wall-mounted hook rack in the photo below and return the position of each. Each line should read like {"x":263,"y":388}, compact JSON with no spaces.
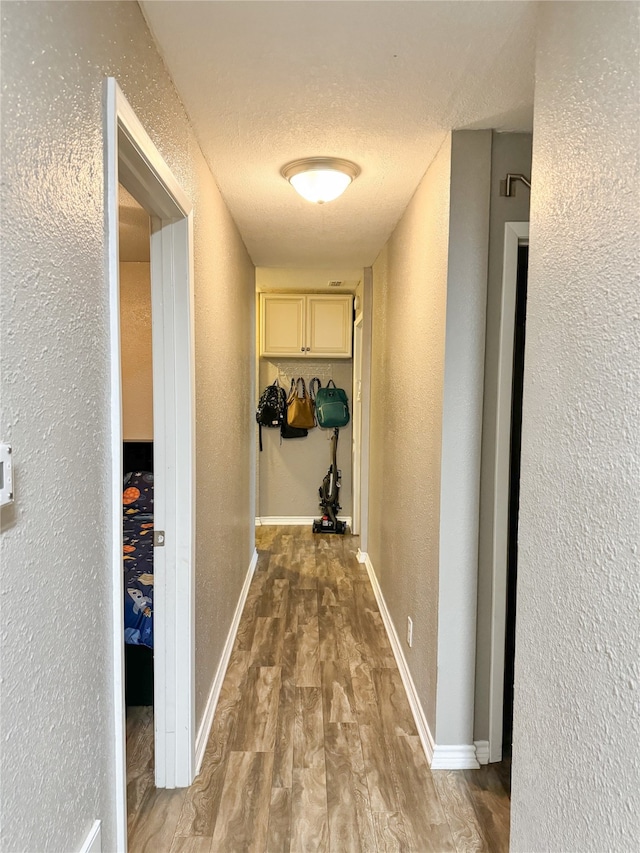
{"x":288,"y":370}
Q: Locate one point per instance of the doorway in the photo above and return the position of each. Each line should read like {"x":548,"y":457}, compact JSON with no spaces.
{"x":506,"y":486}
{"x":136,"y":359}
{"x":132,"y":160}
{"x":514,"y":495}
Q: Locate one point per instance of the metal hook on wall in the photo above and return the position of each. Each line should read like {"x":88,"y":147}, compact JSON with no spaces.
{"x":506,"y":186}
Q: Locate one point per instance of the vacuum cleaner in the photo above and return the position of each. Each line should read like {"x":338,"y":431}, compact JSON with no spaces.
{"x":329,"y":493}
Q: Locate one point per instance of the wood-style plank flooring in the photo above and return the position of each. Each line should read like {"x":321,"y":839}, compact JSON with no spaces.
{"x":313,"y":746}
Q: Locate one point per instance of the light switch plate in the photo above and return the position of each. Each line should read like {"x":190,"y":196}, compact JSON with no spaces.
{"x":6,"y":475}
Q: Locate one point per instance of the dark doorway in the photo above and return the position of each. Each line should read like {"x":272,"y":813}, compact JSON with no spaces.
{"x":514,"y":495}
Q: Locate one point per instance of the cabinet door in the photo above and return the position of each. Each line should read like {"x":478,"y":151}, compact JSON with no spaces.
{"x":282,"y":325}
{"x":329,"y":325}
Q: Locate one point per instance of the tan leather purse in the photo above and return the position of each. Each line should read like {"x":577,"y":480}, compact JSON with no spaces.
{"x":300,"y":408}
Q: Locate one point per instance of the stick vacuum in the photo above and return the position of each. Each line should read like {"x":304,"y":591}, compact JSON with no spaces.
{"x":329,"y":493}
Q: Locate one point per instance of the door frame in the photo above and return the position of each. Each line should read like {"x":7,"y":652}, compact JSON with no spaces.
{"x":356,"y":444}
{"x":132,"y":159}
{"x":515,"y":234}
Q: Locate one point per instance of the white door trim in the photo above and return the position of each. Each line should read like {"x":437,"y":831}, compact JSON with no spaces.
{"x":515,"y":234}
{"x":132,"y":158}
{"x":365,"y":394}
{"x":356,"y":441}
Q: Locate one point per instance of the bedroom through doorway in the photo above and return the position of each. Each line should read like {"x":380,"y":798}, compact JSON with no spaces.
{"x":136,"y":361}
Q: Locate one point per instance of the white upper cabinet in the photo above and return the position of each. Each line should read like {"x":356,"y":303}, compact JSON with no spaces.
{"x":309,"y":325}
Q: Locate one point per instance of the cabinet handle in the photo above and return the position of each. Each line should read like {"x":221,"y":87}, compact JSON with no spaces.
{"x":308,"y":348}
{"x":301,"y":349}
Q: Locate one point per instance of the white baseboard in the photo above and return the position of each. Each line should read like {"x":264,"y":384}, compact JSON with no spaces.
{"x":454,"y":757}
{"x":295,"y":519}
{"x":210,"y":710}
{"x":482,"y":751}
{"x":459,"y":757}
{"x":93,"y":841}
{"x":422,"y":725}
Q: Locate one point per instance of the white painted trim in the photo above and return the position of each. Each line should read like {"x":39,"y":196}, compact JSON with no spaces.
{"x":482,"y":751}
{"x":93,"y":841}
{"x":365,"y":413}
{"x":212,"y":702}
{"x":295,"y":519}
{"x":113,"y":276}
{"x":440,"y":757}
{"x":356,"y":419}
{"x":454,"y":757}
{"x":515,"y":233}
{"x":131,"y":157}
{"x":422,"y":725}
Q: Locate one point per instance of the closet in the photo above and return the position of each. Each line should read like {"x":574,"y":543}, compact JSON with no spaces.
{"x":305,"y":332}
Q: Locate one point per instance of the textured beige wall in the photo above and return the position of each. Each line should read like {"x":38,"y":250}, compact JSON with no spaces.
{"x":576,"y":756}
{"x":462,"y":435}
{"x":409,"y":301}
{"x":56,"y":411}
{"x":136,"y":352}
{"x":225,"y":390}
{"x":510,"y":152}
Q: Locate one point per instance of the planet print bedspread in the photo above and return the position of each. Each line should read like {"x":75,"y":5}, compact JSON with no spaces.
{"x":137,"y":512}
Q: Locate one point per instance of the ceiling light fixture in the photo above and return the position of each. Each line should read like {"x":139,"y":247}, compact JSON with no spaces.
{"x":320,"y":179}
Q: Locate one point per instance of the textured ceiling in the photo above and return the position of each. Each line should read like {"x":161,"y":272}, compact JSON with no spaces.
{"x":380,"y":83}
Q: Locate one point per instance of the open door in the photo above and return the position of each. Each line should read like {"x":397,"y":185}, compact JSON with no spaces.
{"x":511,"y":362}
{"x":132,"y":160}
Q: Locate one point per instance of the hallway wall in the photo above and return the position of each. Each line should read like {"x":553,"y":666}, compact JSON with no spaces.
{"x":429,"y":297}
{"x":409,"y":304}
{"x":469,"y":208}
{"x":57,"y":723}
{"x":576,"y":767}
{"x":136,"y":351}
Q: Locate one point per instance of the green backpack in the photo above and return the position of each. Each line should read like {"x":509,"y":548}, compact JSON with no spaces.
{"x":332,"y":407}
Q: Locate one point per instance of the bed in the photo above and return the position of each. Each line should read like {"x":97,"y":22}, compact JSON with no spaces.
{"x":137,"y":538}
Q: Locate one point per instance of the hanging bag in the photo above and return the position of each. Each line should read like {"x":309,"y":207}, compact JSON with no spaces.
{"x":286,"y":430}
{"x":332,"y":407}
{"x":300,"y":406}
{"x":272,"y":407}
{"x":314,"y":386}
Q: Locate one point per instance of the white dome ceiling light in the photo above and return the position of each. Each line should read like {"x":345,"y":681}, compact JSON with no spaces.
{"x":320,"y":179}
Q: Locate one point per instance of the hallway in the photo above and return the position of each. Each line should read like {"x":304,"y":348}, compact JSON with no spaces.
{"x":313,"y":745}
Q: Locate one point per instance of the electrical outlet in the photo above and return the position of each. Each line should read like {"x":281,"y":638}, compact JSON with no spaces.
{"x":409,"y":631}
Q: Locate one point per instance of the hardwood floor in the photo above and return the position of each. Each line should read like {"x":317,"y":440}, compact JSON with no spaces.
{"x":313,"y":746}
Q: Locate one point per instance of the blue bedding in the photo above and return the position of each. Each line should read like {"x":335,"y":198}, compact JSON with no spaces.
{"x":137,"y":520}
